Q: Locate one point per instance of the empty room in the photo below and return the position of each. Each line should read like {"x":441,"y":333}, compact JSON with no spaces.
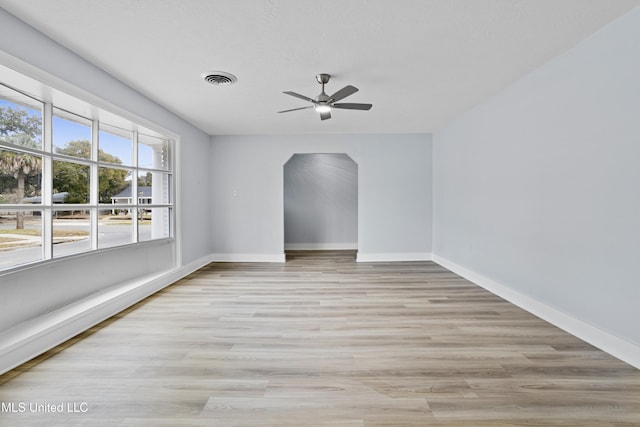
{"x":335,"y":213}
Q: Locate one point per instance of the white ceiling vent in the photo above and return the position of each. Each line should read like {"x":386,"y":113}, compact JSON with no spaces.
{"x":219,"y":78}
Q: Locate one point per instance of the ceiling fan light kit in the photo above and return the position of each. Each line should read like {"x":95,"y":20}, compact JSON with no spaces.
{"x":323,"y":103}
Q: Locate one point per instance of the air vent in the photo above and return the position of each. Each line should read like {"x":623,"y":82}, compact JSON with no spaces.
{"x":219,"y":78}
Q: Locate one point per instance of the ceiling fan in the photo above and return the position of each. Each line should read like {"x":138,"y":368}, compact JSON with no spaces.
{"x":324,"y":103}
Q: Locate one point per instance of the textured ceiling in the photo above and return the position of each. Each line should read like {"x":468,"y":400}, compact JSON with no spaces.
{"x":419,"y":62}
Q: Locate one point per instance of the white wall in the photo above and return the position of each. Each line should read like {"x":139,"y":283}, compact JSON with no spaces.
{"x":394,"y":193}
{"x":537,"y":190}
{"x":38,"y":291}
{"x":320,"y":202}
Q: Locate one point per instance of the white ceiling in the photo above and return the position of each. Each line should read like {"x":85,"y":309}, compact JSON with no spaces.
{"x":419,"y":62}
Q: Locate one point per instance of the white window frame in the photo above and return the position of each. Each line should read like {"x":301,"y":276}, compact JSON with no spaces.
{"x":46,"y":152}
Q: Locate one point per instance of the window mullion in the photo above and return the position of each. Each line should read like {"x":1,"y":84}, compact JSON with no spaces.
{"x":47,"y":181}
{"x":134,"y":187}
{"x":93,"y":184}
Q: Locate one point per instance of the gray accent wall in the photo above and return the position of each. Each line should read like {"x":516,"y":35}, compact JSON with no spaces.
{"x":538,"y":189}
{"x":320,"y":202}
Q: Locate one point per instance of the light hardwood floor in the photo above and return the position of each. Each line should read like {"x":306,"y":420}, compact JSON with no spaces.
{"x":323,"y":340}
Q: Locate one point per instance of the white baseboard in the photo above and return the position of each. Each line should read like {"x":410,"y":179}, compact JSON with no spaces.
{"x":31,"y":338}
{"x":394,"y":256}
{"x":320,"y":246}
{"x":248,"y":257}
{"x":605,"y":341}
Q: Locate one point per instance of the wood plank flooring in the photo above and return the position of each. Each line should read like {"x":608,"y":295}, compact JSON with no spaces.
{"x":323,"y":340}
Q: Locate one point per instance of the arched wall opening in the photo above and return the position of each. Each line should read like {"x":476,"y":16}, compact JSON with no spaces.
{"x":320,"y":202}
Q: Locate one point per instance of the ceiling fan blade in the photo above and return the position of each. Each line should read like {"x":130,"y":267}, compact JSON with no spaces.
{"x":325,"y":116}
{"x":297,"y":95}
{"x":343,"y":93}
{"x":352,"y":106}
{"x":295,"y":109}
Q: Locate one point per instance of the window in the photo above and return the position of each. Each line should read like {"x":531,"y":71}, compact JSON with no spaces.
{"x":71,"y":184}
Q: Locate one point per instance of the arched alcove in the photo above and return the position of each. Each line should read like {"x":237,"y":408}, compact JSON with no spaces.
{"x":320,"y":202}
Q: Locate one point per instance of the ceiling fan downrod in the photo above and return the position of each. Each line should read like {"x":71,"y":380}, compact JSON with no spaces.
{"x":323,"y":79}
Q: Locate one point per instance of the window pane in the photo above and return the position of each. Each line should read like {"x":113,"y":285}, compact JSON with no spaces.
{"x":153,"y":153}
{"x":154,"y":223}
{"x":115,"y":146}
{"x":71,"y":232}
{"x":20,"y":237}
{"x":71,"y":135}
{"x":114,"y":185}
{"x":70,"y":182}
{"x":154,"y":187}
{"x":115,"y":230}
{"x":20,"y":119}
{"x":20,"y":177}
